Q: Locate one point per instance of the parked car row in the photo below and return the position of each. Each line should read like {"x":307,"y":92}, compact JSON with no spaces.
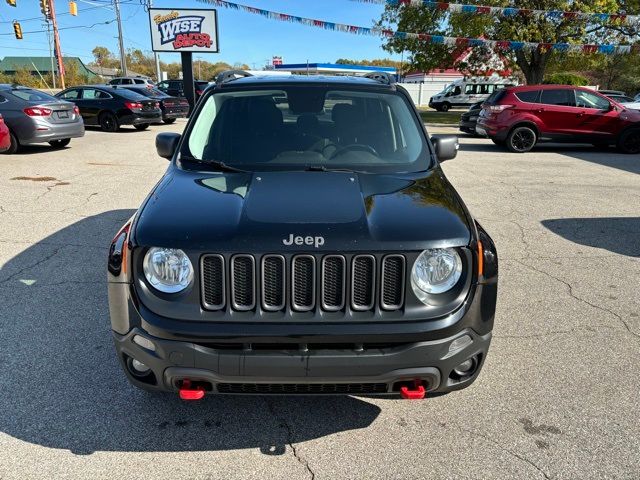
{"x":30,"y":116}
{"x":521,"y":117}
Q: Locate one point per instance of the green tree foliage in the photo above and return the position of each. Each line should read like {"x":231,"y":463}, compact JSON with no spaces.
{"x":566,"y":78}
{"x":533,"y":64}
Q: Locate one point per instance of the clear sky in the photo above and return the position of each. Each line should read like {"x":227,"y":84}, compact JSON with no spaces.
{"x":244,"y":37}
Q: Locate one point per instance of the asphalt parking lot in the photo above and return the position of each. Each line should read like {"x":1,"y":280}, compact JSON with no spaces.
{"x":559,"y":396}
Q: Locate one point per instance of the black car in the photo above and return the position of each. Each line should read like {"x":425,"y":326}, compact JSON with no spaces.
{"x":469,"y":119}
{"x":110,"y":107}
{"x":304,"y":240}
{"x":172,"y":107}
{"x":175,"y":88}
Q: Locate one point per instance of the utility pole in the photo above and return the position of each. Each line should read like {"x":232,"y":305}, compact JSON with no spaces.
{"x":123,"y":58}
{"x":156,"y":57}
{"x":56,"y":39}
{"x":53,"y":68}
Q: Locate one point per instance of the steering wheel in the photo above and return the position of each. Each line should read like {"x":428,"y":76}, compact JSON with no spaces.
{"x":355,"y":147}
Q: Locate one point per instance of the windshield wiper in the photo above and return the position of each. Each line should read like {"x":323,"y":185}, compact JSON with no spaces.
{"x":223,"y":167}
{"x":322,"y":168}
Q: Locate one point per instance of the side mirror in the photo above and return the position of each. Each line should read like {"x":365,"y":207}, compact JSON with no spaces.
{"x":446,"y":146}
{"x":166,"y":144}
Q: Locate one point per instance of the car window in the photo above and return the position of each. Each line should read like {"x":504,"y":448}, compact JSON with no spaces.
{"x":456,"y":91}
{"x":176,"y":85}
{"x":495,"y":97}
{"x":309,"y":126}
{"x":32,"y":95}
{"x":71,"y":95}
{"x":93,"y":94}
{"x":471,"y":89}
{"x":560,"y":97}
{"x":115,"y":81}
{"x":530,"y":97}
{"x":139,"y":81}
{"x":591,"y":100}
{"x":130,"y":94}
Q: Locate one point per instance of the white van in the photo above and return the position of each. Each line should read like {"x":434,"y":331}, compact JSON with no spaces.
{"x":464,"y":93}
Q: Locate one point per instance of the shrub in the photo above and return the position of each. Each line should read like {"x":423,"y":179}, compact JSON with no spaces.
{"x":566,"y":78}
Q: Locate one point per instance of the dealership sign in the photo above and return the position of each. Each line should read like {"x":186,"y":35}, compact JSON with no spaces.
{"x":183,"y":30}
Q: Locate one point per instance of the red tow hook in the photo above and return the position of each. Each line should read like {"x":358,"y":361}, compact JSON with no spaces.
{"x":188,"y":393}
{"x":417,"y":393}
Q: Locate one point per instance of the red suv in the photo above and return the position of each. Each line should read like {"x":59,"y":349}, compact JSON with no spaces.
{"x":519,"y":117}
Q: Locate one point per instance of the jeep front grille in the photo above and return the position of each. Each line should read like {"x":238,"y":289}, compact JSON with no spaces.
{"x":303,"y":283}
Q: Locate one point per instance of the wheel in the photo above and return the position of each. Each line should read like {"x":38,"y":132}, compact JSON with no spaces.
{"x":521,"y":139}
{"x":108,"y":122}
{"x":445,"y":107}
{"x":60,"y":143}
{"x":169,"y":121}
{"x":629,"y":141}
{"x":500,"y":143}
{"x":141,"y":127}
{"x":15,"y":145}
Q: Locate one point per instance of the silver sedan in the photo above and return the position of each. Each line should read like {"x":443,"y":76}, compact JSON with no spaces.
{"x":36,"y":117}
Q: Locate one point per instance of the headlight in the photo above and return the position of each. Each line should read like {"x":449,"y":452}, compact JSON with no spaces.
{"x":436,"y":270}
{"x":168,"y":269}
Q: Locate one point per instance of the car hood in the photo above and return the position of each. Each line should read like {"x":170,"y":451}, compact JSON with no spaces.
{"x":266,"y":211}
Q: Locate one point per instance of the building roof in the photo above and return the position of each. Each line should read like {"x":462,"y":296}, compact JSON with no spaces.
{"x":112,"y":72}
{"x":333,"y":68}
{"x":41,"y":64}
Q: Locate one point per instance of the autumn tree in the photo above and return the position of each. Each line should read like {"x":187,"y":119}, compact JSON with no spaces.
{"x":528,"y":28}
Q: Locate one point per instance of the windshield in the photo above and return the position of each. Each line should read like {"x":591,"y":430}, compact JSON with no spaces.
{"x":309,"y":127}
{"x":32,"y":95}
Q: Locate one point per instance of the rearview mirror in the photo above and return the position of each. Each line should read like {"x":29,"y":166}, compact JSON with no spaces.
{"x":446,"y":146}
{"x":166,"y":144}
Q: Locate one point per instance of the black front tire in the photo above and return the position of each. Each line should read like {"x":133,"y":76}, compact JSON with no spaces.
{"x":15,"y":145}
{"x":445,"y":107}
{"x":169,"y":121}
{"x":141,"y":127}
{"x":109,"y":122}
{"x":521,"y":139}
{"x":60,"y":143}
{"x":629,"y":141}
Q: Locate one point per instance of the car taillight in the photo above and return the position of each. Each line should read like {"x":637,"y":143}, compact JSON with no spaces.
{"x":76,"y":110}
{"x":38,"y":111}
{"x":133,"y":105}
{"x":199,"y":92}
{"x":157,"y":104}
{"x":499,"y":108}
{"x":184,"y":102}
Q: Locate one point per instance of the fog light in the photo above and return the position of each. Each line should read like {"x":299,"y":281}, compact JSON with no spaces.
{"x":460,"y":343}
{"x":467,"y":367}
{"x":139,"y":367}
{"x":144,"y":343}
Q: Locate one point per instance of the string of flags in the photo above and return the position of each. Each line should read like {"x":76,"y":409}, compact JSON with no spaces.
{"x":499,"y":45}
{"x":616,"y":18}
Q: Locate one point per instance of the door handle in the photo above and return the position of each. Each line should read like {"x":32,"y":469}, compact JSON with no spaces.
{"x":540,"y":110}
{"x":581,"y":114}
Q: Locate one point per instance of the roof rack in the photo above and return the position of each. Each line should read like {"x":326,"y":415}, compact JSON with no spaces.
{"x":382,"y":77}
{"x":230,"y":75}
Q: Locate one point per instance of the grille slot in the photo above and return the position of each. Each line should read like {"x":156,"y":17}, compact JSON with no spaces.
{"x":273,"y":283}
{"x":303,"y":283}
{"x":392,"y":282}
{"x":363,"y":282}
{"x":302,"y":388}
{"x":243,"y":281}
{"x":213,"y":291}
{"x":333,"y":282}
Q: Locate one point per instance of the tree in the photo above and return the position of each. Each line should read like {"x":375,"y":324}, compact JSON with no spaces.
{"x":533,"y":63}
{"x":103,"y":57}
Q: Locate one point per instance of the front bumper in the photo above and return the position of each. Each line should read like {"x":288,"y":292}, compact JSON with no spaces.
{"x":278,"y":370}
{"x":230,"y":357}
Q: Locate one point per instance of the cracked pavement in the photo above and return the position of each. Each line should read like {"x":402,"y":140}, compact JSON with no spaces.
{"x":559,"y":396}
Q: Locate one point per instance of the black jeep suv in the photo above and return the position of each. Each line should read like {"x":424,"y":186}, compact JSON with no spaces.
{"x":304,"y":240}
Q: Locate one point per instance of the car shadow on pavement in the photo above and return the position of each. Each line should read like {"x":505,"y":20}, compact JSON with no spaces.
{"x":63,"y":387}
{"x":619,"y":235}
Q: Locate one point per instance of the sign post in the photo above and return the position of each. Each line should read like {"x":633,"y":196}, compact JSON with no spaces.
{"x":184,"y":31}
